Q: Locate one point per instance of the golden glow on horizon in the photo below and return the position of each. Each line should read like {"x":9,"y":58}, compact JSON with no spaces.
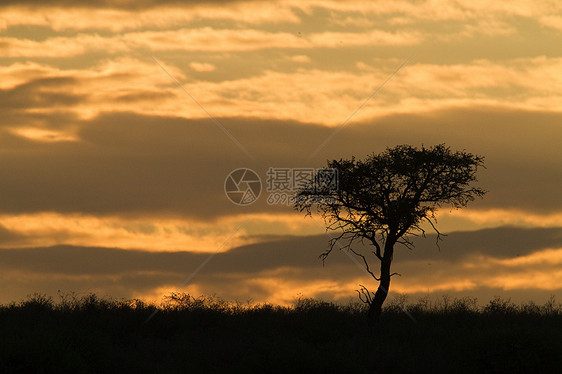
{"x":451,"y":285}
{"x":152,"y":234}
{"x":532,"y":279}
{"x":279,"y":288}
{"x":546,"y":256}
{"x":167,"y":234}
{"x":501,"y":217}
{"x":44,"y":135}
{"x":46,"y":229}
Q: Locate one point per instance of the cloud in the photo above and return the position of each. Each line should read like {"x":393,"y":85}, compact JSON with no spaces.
{"x":60,"y":47}
{"x":127,"y":164}
{"x":7,"y":235}
{"x":279,"y":269}
{"x":492,"y":18}
{"x":197,"y":39}
{"x":499,"y":242}
{"x":140,"y":15}
{"x":147,"y":233}
{"x":305,"y":94}
{"x":510,"y":217}
{"x":202,"y":66}
{"x":38,"y":93}
{"x":374,"y":37}
{"x":463,"y":10}
{"x":301,"y":59}
{"x":118,"y":4}
{"x":552,"y":21}
{"x":43,"y":135}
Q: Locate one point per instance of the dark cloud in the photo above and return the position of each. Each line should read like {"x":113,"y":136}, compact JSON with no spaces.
{"x":73,"y":260}
{"x":144,"y":95}
{"x":127,"y":272}
{"x":37,"y":94}
{"x":7,"y":236}
{"x":134,"y":164}
{"x":501,"y":242}
{"x":129,"y":164}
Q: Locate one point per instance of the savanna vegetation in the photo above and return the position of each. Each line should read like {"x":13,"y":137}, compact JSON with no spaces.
{"x":89,"y":334}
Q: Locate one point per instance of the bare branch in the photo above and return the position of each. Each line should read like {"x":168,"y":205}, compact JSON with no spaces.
{"x":439,"y":234}
{"x":366,"y":264}
{"x":365,"y":295}
{"x":406,"y":242}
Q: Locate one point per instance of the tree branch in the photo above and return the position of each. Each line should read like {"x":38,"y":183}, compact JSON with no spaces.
{"x":365,"y":295}
{"x":439,"y":234}
{"x":366,"y":264}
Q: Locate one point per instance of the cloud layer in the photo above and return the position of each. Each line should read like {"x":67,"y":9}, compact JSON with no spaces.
{"x":133,"y":164}
{"x":280,"y":268}
{"x":120,"y":122}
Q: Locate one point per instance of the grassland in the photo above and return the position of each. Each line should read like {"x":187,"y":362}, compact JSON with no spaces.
{"x":206,"y":335}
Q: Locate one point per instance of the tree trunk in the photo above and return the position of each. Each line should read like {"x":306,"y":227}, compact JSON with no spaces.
{"x":375,"y":308}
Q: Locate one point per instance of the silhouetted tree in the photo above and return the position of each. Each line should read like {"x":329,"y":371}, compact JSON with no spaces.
{"x":385,"y":199}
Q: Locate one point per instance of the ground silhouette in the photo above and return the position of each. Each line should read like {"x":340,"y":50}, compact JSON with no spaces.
{"x":206,"y":335}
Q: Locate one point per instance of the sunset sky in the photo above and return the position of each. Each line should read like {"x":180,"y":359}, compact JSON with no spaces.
{"x":121,"y":120}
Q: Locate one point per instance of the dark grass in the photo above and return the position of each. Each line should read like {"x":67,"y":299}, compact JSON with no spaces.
{"x":206,"y":335}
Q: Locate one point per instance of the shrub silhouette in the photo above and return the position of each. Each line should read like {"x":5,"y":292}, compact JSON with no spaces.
{"x":85,"y":334}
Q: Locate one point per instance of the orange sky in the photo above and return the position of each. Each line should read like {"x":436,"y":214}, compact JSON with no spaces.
{"x":121,"y":120}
